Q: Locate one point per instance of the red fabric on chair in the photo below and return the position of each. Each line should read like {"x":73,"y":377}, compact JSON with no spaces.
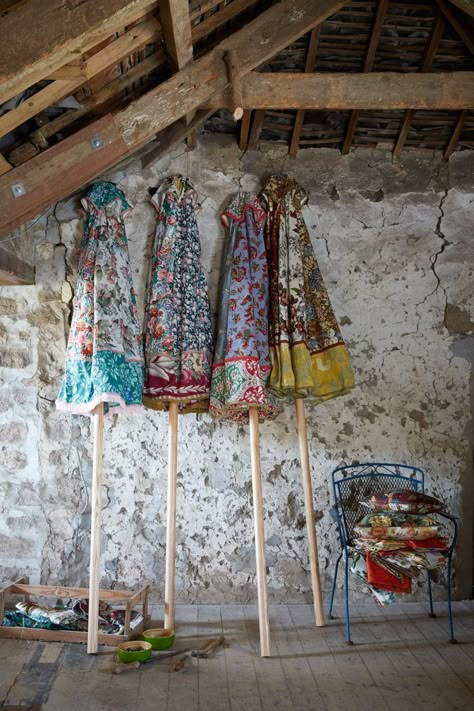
{"x":381,"y":578}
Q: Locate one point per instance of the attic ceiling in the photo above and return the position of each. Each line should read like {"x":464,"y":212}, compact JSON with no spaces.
{"x":140,"y":76}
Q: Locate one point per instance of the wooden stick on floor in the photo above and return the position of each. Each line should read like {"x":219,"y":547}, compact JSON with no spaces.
{"x":259,"y":534}
{"x":170,"y":566}
{"x":309,"y":510}
{"x":96,"y":506}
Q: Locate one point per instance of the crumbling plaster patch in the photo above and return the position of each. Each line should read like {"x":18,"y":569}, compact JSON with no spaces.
{"x":395,"y":248}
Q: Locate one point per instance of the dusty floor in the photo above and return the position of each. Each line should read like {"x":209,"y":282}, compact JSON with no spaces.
{"x":401,"y":659}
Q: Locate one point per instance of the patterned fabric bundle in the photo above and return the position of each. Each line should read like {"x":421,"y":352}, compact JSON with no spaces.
{"x":396,"y":526}
{"x":242,"y":360}
{"x":391,"y":547}
{"x":104,"y":359}
{"x":309,"y":357}
{"x":406,"y":500}
{"x":178,"y":334}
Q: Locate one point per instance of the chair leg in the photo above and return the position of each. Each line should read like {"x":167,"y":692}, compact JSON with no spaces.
{"x":430,"y":594}
{"x":346,"y":592}
{"x":450,"y":611}
{"x":333,"y":591}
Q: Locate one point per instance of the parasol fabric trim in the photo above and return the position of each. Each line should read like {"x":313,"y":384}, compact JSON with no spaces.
{"x":117,"y":403}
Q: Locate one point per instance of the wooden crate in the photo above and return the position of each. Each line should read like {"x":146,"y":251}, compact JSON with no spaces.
{"x":21,"y":587}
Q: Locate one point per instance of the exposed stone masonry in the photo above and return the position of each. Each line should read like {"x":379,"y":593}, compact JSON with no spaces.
{"x":394,"y":242}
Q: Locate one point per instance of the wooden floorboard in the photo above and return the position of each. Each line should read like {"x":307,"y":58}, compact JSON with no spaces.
{"x":401,"y":659}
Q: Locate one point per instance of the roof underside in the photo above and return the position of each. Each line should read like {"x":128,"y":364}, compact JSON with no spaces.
{"x":85,"y":85}
{"x":131,"y":60}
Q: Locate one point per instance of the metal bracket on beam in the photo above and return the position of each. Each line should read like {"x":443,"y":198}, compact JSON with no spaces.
{"x":97,"y":142}
{"x":18,"y":189}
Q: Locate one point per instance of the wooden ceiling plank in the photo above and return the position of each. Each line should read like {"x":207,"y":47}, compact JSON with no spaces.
{"x":309,"y":67}
{"x":462,"y":30}
{"x":427,"y":62}
{"x":111,"y":54}
{"x":62,"y":31}
{"x":456,"y":134}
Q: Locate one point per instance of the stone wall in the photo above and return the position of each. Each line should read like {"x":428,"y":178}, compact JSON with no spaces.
{"x":394,"y":242}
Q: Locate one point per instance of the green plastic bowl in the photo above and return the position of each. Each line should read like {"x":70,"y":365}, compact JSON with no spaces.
{"x":125,"y":654}
{"x":159,"y":638}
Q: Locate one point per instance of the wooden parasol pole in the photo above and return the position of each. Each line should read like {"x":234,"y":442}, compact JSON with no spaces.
{"x":96,"y":509}
{"x":259,"y":533}
{"x":170,"y":565}
{"x":309,"y":510}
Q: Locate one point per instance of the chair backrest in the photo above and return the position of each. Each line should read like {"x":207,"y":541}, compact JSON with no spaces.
{"x":357,"y":481}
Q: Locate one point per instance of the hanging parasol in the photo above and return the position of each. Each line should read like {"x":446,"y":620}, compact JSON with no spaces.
{"x":178,"y":336}
{"x":104,"y":361}
{"x":242,"y":360}
{"x":309,"y":357}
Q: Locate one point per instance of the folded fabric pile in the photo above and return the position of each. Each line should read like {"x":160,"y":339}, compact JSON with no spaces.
{"x":397,"y":540}
{"x":73,"y":616}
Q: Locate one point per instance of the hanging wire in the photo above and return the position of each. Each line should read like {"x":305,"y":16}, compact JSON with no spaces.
{"x":27,"y":229}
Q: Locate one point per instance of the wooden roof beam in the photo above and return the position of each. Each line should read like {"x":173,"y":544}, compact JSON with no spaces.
{"x":369,"y":63}
{"x":62,"y":31}
{"x":62,"y":169}
{"x":345,"y":91}
{"x":176,"y":27}
{"x":258,"y":41}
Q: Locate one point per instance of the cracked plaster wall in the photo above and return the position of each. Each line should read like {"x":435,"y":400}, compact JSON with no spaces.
{"x":395,"y":246}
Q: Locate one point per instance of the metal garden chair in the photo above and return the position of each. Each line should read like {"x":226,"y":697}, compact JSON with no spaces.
{"x":353,"y":483}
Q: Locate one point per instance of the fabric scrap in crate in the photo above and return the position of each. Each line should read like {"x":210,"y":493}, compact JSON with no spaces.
{"x":72,"y":616}
{"x":178,"y":331}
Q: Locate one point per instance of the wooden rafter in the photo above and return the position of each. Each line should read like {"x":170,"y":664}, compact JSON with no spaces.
{"x":62,"y":31}
{"x":255,"y":131}
{"x":309,"y":67}
{"x":430,"y":52}
{"x":369,"y":63}
{"x":466,"y":6}
{"x":244,"y":130}
{"x":456,"y":134}
{"x":463,"y":31}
